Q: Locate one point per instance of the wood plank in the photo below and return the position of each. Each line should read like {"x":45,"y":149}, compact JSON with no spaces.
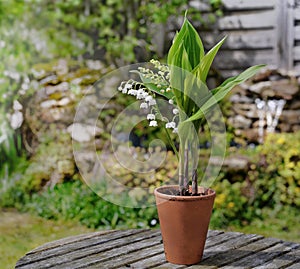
{"x":104,"y":251}
{"x":255,"y":39}
{"x":243,"y":59}
{"x":221,"y":239}
{"x":169,"y":266}
{"x":116,"y":253}
{"x":255,"y":258}
{"x":228,"y":252}
{"x":253,"y":20}
{"x":84,"y":241}
{"x":296,"y":53}
{"x":125,"y":260}
{"x":71,"y":239}
{"x":202,"y":265}
{"x":150,"y":262}
{"x":284,"y":260}
{"x":294,"y":266}
{"x":199,"y":5}
{"x":297,"y":13}
{"x":297,"y":32}
{"x":248,"y":4}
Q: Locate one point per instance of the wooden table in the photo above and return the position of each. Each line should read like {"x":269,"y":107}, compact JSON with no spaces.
{"x":144,"y":249}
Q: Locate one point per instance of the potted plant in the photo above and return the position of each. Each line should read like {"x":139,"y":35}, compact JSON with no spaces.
{"x":184,"y":210}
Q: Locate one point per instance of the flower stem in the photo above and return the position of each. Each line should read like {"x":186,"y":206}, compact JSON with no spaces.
{"x":195,"y":182}
{"x":171,"y":143}
{"x":186,"y":167}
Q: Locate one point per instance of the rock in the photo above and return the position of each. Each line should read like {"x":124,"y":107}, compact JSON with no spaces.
{"x":83,"y":133}
{"x":294,"y":105}
{"x":284,"y":127}
{"x":62,"y":87}
{"x":236,"y":98}
{"x":16,"y":120}
{"x":53,"y":79}
{"x":290,"y":116}
{"x":64,"y":101}
{"x":284,"y":89}
{"x":48,"y":104}
{"x":260,"y":87}
{"x":295,"y":128}
{"x":17,"y":105}
{"x":240,"y":121}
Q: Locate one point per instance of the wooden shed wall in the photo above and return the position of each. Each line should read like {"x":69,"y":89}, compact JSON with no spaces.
{"x":259,"y":32}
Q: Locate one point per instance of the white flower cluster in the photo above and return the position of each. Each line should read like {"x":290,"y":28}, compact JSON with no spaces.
{"x":137,"y":89}
{"x":148,"y":100}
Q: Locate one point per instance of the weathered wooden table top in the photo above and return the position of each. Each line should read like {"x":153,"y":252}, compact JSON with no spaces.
{"x":144,"y":249}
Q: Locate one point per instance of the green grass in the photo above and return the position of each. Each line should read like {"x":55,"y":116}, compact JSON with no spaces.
{"x":283,"y":224}
{"x":22,"y":232}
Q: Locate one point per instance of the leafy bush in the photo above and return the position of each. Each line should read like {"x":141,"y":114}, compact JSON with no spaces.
{"x":231,"y":205}
{"x":75,"y":201}
{"x":276,"y":176}
{"x":272,"y":181}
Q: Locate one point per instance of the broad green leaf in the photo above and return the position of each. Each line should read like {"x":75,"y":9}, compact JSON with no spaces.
{"x":220,"y":92}
{"x":177,"y":42}
{"x":178,"y":67}
{"x":207,"y":60}
{"x":193,"y":45}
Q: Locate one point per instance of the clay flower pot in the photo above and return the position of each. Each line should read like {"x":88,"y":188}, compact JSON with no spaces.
{"x":184,"y":223}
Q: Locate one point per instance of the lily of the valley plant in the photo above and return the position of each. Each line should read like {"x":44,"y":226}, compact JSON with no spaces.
{"x":183,"y":83}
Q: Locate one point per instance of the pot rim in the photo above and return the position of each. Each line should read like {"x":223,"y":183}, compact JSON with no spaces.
{"x":157,"y":192}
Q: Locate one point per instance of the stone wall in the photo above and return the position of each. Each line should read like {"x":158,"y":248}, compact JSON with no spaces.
{"x":49,"y":128}
{"x":254,"y":104}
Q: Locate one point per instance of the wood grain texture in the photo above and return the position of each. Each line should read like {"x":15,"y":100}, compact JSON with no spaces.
{"x":253,"y":20}
{"x":248,"y":4}
{"x":144,"y":249}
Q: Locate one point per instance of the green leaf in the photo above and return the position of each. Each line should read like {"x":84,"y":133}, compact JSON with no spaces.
{"x":193,"y":45}
{"x":220,"y":92}
{"x":206,"y":61}
{"x":187,"y":38}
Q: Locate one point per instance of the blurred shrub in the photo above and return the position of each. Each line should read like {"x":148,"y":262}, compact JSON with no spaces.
{"x":276,"y":177}
{"x":52,"y":163}
{"x":231,"y":206}
{"x":74,"y":200}
{"x":272,"y":180}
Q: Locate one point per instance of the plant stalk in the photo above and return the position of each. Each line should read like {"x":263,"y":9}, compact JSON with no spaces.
{"x":182,"y":189}
{"x":195,"y":182}
{"x":186,"y":168}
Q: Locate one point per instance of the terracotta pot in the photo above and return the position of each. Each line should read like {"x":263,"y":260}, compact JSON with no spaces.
{"x":184,"y":223}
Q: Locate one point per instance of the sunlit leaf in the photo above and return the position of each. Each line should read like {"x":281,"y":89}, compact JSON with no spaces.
{"x":220,"y":92}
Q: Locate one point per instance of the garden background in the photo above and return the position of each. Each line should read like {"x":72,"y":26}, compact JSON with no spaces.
{"x":52,"y":52}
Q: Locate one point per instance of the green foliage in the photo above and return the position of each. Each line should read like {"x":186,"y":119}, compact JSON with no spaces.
{"x":272,"y":181}
{"x":52,"y":163}
{"x":276,"y":177}
{"x":231,"y":205}
{"x":75,"y":201}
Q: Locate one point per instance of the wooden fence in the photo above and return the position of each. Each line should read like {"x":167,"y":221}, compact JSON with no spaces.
{"x":259,"y":31}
